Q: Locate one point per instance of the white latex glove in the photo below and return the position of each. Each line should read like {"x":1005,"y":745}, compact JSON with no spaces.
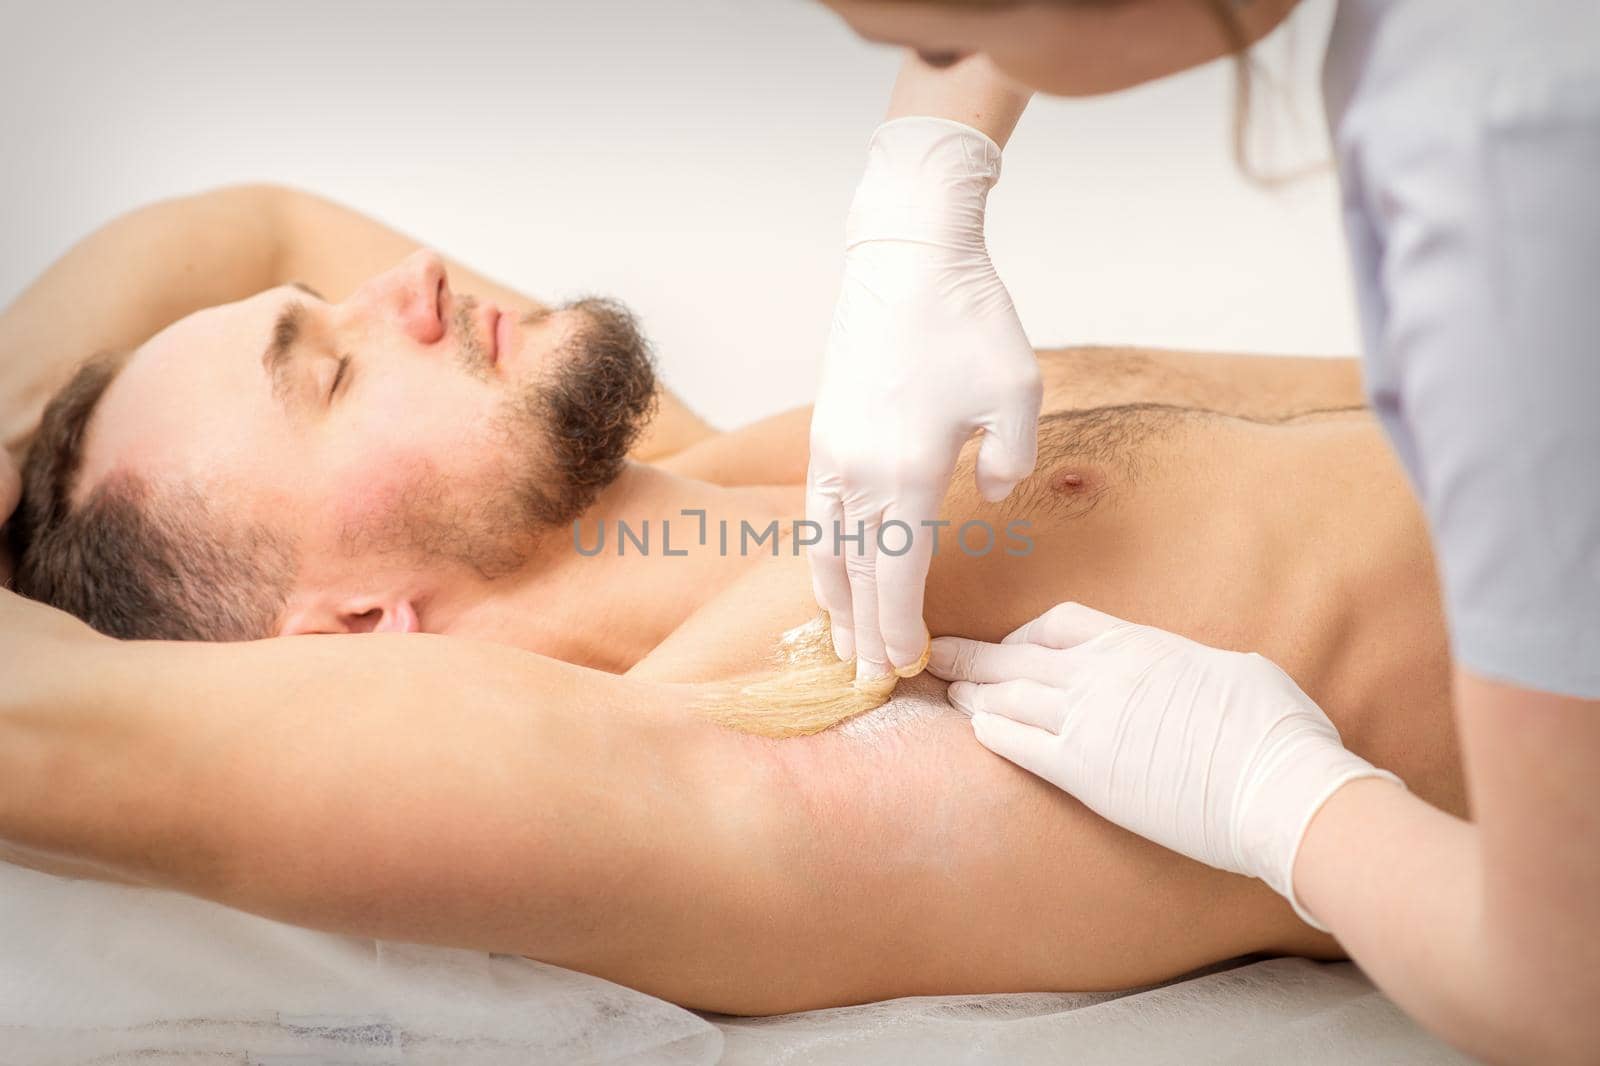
{"x":1217,"y":755}
{"x":925,"y":350}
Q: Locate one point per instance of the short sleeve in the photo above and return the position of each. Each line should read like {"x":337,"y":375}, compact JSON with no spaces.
{"x":1480,"y":215}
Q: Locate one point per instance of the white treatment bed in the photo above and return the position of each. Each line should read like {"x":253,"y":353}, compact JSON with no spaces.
{"x":111,"y":975}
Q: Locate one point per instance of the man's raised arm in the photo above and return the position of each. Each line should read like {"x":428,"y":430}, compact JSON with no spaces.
{"x":152,"y":266}
{"x":125,"y":282}
{"x":413,"y":788}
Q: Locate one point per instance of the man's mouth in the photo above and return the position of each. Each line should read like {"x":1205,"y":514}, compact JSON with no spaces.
{"x":483,"y":337}
{"x":502,"y":334}
{"x":491,"y":334}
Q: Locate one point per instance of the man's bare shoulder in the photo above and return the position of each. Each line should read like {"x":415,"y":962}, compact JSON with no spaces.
{"x":1246,"y":385}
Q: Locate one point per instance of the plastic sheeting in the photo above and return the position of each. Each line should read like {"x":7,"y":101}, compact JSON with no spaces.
{"x":111,"y":975}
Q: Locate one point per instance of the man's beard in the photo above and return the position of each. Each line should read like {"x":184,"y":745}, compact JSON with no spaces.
{"x":567,"y":434}
{"x":587,"y":416}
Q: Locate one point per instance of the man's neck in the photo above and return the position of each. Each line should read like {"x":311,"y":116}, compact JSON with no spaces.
{"x":605,"y":593}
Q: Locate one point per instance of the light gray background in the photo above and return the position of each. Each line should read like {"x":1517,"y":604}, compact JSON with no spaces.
{"x":693,"y":157}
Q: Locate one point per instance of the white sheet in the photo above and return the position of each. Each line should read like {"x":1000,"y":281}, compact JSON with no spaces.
{"x":99,"y":973}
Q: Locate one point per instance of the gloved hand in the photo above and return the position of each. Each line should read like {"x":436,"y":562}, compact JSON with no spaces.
{"x":925,"y":350}
{"x":1217,"y":755}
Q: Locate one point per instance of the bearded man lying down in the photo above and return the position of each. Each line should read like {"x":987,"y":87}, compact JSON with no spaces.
{"x":320,"y":430}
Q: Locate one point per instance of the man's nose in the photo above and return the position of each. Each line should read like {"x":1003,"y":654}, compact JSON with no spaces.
{"x":410,"y":294}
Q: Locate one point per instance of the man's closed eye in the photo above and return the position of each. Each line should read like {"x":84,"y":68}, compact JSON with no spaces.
{"x":341,"y":376}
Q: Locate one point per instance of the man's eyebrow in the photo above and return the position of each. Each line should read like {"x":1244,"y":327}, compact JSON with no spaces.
{"x":285,"y":331}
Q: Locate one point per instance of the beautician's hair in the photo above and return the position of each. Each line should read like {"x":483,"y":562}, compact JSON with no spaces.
{"x":136,"y":560}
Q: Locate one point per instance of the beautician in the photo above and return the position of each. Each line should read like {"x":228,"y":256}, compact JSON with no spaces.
{"x":1467,"y":138}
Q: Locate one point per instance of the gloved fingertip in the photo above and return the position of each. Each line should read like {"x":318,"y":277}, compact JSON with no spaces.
{"x":995,"y":491}
{"x":942,"y":657}
{"x":960,"y":695}
{"x":913,"y":664}
{"x":844,"y":643}
{"x":868,"y":670}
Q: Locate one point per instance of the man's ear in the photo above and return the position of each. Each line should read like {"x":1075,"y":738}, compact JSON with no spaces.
{"x":355,"y":614}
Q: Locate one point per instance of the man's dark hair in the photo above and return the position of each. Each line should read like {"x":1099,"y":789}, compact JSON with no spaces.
{"x":136,"y":560}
